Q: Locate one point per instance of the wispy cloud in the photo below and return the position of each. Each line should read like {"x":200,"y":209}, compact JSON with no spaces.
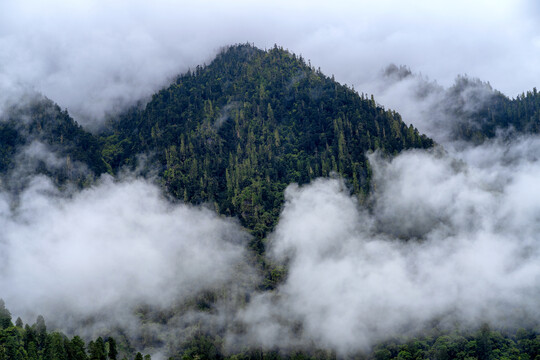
{"x":95,"y":57}
{"x":448,"y":240}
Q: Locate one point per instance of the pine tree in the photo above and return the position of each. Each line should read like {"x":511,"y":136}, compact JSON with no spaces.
{"x":5,"y":316}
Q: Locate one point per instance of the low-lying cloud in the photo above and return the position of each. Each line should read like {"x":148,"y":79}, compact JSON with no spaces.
{"x":450,"y":235}
{"x":448,"y":239}
{"x":105,"y":250}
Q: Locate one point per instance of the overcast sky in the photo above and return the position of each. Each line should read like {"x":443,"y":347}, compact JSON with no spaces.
{"x":94,"y":56}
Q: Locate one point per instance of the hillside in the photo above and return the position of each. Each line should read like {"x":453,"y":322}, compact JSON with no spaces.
{"x":232,"y":135}
{"x":470,"y":110}
{"x":36,"y":136}
{"x":483,"y":112}
{"x":235,"y":133}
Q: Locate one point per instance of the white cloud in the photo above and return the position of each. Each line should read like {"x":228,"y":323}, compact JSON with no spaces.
{"x":107,"y":249}
{"x":446,"y":240}
{"x":98,"y":56}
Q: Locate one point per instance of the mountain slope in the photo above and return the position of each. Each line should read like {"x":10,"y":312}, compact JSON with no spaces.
{"x":36,"y":136}
{"x":237,"y":132}
{"x":470,"y":110}
{"x":483,"y":111}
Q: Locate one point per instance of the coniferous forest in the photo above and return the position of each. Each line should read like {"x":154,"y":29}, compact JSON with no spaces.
{"x":231,"y":136}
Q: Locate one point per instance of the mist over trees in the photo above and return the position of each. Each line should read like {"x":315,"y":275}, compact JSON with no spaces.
{"x":18,"y":342}
{"x":231,"y":137}
{"x":469,"y":111}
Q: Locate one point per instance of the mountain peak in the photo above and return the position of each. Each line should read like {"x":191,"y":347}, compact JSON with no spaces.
{"x":236,"y":132}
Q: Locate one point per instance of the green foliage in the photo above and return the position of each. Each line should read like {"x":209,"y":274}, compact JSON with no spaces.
{"x":5,"y":316}
{"x":35,"y":343}
{"x":112,"y":351}
{"x":237,"y":132}
{"x":482,"y":344}
{"x":484,"y":112}
{"x":233,"y":134}
{"x":42,"y":120}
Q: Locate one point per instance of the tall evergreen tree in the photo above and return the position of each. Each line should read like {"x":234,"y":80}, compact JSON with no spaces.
{"x":5,"y":316}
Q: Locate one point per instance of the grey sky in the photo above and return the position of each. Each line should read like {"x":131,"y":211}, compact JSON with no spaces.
{"x":95,"y":56}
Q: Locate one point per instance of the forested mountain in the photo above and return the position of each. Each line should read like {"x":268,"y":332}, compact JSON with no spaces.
{"x":521,"y":114}
{"x":36,"y":136}
{"x":471,"y":110}
{"x":233,"y":135}
{"x":484,"y":111}
{"x":238,"y":131}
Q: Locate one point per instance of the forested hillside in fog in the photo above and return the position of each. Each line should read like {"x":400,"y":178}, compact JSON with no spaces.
{"x":256,"y":208}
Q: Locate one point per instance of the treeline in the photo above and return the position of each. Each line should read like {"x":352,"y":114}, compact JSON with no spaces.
{"x":484,"y":113}
{"x":483,"y":344}
{"x":25,"y":342}
{"x":72,"y":154}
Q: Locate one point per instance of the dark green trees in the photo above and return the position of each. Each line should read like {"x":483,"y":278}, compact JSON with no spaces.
{"x":112,"y":352}
{"x":96,"y":350}
{"x":76,"y":349}
{"x":5,"y":316}
{"x":41,"y":121}
{"x":36,"y":343}
{"x":237,"y":132}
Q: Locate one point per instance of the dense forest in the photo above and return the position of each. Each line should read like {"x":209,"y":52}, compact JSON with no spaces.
{"x":76,"y":153}
{"x":233,"y":135}
{"x":495,"y":113}
{"x":25,"y":342}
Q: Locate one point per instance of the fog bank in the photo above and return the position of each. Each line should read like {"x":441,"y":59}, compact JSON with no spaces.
{"x":450,"y":240}
{"x":108,"y":249}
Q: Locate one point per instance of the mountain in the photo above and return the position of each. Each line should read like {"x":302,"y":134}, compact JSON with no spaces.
{"x":235,"y":133}
{"x":470,"y":110}
{"x":521,"y":114}
{"x":482,"y":112}
{"x":36,"y":136}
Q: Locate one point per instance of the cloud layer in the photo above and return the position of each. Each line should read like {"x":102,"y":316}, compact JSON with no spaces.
{"x":108,"y":249}
{"x":449,"y":239}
